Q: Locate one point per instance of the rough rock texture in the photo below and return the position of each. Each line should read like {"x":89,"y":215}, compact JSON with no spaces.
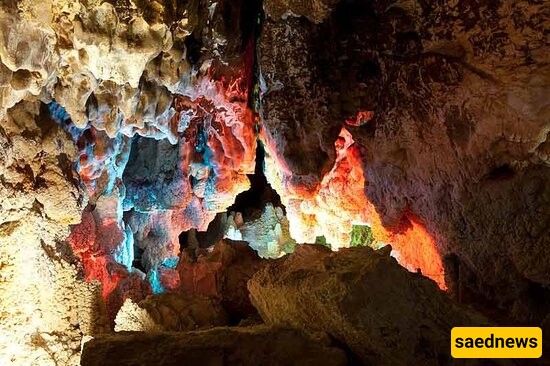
{"x":45,"y":307}
{"x":363,"y":298}
{"x":221,"y":272}
{"x":268,"y":234}
{"x":427,"y":121}
{"x":252,"y":346}
{"x":177,"y":74}
{"x":170,"y":312}
{"x":315,"y":10}
{"x":133,"y":318}
{"x":108,"y":72}
{"x":447,"y":104}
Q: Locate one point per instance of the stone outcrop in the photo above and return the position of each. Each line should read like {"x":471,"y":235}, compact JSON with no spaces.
{"x":221,"y":272}
{"x":170,"y":312}
{"x":447,"y":106}
{"x":252,"y":346}
{"x":46,"y":308}
{"x":365,"y":300}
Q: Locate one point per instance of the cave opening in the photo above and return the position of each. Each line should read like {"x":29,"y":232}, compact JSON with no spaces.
{"x":250,"y":202}
{"x":257,"y":216}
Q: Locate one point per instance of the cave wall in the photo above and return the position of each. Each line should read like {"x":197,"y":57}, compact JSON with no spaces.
{"x":447,"y":104}
{"x":124,"y":124}
{"x":81,"y":84}
{"x":46,"y":307}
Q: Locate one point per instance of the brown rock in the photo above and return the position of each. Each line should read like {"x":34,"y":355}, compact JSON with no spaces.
{"x":383,"y":313}
{"x":315,"y":10}
{"x":170,"y":312}
{"x":459,"y":135}
{"x":260,"y":345}
{"x":222,"y":273}
{"x":177,"y":312}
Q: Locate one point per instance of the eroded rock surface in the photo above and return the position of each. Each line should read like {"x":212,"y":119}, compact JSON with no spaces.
{"x":222,"y":272}
{"x":252,"y":346}
{"x":383,"y":313}
{"x":46,"y":307}
{"x":447,"y":105}
{"x":427,"y":121}
{"x":170,"y":312}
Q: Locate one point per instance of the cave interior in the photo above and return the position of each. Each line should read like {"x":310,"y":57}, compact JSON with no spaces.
{"x":271,"y":182}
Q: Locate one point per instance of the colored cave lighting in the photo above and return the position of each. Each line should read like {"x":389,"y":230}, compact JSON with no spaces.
{"x":361,"y":118}
{"x":340,"y":202}
{"x":211,"y":138}
{"x":210,"y":141}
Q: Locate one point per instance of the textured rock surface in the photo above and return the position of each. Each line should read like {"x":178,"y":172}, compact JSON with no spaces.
{"x":170,"y":312}
{"x":107,"y":72}
{"x":315,"y":10}
{"x":363,"y":298}
{"x":45,"y":307}
{"x":252,"y":346}
{"x":447,"y":104}
{"x":221,"y":272}
{"x":268,"y":234}
{"x":166,"y":83}
{"x":427,"y":121}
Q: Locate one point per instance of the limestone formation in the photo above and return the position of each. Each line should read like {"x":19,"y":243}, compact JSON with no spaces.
{"x":447,"y":105}
{"x":130,"y":130}
{"x":45,"y":307}
{"x":221,"y":272}
{"x":170,"y":312}
{"x":364,"y":299}
{"x":268,"y":234}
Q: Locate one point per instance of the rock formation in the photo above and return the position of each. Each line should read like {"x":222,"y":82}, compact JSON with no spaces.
{"x":45,"y":306}
{"x":364,"y":299}
{"x":446,"y":104}
{"x":132,"y":139}
{"x":259,"y":345}
{"x":170,"y":312}
{"x":222,"y":273}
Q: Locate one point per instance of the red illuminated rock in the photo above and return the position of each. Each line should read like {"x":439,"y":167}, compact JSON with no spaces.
{"x":222,"y":272}
{"x":340,"y":201}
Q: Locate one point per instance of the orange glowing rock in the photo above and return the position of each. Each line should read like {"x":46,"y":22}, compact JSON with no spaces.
{"x":412,"y":245}
{"x":339,"y":202}
{"x":362,"y":118}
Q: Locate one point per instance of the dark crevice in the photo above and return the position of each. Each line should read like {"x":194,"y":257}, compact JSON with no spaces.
{"x":251,"y":202}
{"x":194,"y":239}
{"x":352,"y":358}
{"x":138,"y":253}
{"x":193,"y":45}
{"x":502,"y":172}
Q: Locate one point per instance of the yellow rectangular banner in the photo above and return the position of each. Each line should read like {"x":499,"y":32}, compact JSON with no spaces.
{"x":496,"y":342}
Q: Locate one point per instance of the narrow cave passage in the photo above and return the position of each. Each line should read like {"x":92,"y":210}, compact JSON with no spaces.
{"x":260,"y":193}
{"x":257,"y":217}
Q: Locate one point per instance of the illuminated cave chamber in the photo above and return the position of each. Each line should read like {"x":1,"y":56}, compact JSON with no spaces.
{"x":201,"y":168}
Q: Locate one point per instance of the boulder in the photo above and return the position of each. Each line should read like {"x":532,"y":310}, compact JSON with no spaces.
{"x":221,"y":272}
{"x":364,"y":299}
{"x":259,"y":345}
{"x":170,"y":312}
